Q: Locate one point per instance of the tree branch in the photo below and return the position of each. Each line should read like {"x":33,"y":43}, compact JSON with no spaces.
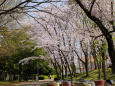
{"x":95,"y":37}
{"x":92,"y":5}
{"x":2,"y":2}
{"x":79,"y":57}
{"x":99,"y":23}
{"x":17,"y":21}
{"x":24,"y":2}
{"x":9,"y":10}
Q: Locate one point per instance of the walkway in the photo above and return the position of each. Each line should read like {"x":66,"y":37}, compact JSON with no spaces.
{"x":35,"y":82}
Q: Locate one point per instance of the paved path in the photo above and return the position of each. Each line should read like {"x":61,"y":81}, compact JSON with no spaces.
{"x":35,"y":82}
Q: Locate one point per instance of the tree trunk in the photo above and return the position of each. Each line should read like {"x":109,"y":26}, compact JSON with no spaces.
{"x":103,"y":70}
{"x":56,"y":68}
{"x":103,"y":62}
{"x":91,"y":64}
{"x":66,"y":61}
{"x":99,"y":70}
{"x":79,"y":65}
{"x":111,"y":51}
{"x":86,"y":68}
{"x":66,"y":74}
{"x":73,"y":66}
{"x":74,"y":70}
{"x":62,"y":67}
{"x":95,"y":64}
{"x":104,"y":30}
{"x":20,"y":72}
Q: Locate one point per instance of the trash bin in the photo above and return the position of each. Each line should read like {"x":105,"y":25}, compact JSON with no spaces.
{"x":66,"y":83}
{"x":50,"y":84}
{"x":99,"y":83}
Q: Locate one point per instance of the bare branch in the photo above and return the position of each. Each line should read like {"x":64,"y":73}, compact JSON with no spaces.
{"x":17,"y":21}
{"x":25,"y":2}
{"x":45,"y":28}
{"x":2,"y":2}
{"x":95,"y":19}
{"x":95,"y":37}
{"x":79,"y":57}
{"x":9,"y":10}
{"x":93,"y":2}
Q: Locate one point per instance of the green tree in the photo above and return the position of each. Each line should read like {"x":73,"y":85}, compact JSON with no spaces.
{"x":15,"y":45}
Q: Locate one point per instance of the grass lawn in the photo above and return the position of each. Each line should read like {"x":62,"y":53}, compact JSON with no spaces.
{"x":14,"y":83}
{"x":8,"y":83}
{"x":45,"y":76}
{"x":93,"y":75}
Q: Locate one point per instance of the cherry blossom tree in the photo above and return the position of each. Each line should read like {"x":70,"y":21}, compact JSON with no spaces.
{"x":103,"y":17}
{"x":53,"y":34}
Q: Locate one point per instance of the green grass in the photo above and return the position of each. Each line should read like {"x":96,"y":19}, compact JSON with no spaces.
{"x":45,"y":76}
{"x":93,"y":75}
{"x":53,"y":76}
{"x":7,"y":84}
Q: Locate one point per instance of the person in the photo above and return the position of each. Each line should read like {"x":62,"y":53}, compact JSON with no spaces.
{"x":50,"y":76}
{"x":108,"y":83}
